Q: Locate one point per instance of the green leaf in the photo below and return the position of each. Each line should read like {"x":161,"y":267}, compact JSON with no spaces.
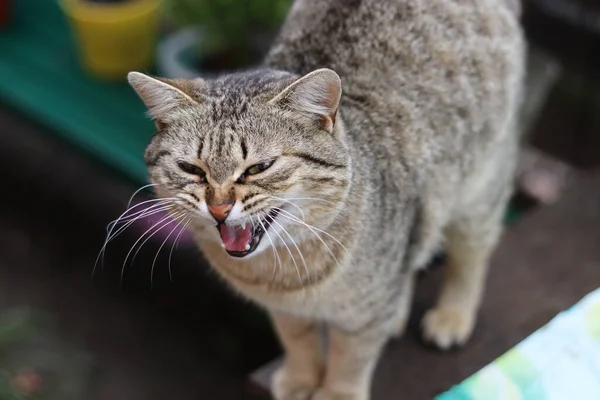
{"x":228,"y":24}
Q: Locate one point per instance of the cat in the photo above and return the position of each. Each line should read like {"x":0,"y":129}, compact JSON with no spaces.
{"x":319,"y":183}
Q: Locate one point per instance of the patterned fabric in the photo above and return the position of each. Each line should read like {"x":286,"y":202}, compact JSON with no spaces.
{"x":561,"y":361}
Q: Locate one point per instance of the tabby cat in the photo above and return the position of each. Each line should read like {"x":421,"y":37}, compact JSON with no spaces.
{"x":318,"y":184}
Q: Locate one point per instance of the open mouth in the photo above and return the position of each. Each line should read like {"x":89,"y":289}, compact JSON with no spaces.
{"x":239,"y":241}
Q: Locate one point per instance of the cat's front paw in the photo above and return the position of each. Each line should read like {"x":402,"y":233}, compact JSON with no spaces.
{"x":293,"y":385}
{"x":325,"y":394}
{"x":447,"y":326}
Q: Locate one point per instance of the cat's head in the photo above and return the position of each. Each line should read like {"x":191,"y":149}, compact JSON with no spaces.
{"x":258,"y":156}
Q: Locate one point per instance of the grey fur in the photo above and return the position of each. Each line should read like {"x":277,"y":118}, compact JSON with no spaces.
{"x":423,"y":149}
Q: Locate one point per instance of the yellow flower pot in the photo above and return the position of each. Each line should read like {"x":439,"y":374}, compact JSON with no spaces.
{"x":114,"y":38}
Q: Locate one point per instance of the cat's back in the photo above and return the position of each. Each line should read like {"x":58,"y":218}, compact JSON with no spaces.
{"x":435,"y":65}
{"x":375,"y":39}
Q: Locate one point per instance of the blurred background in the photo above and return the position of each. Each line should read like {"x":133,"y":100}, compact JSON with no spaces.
{"x":72,"y":136}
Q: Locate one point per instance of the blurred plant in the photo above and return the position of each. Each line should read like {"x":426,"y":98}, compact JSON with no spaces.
{"x":108,"y":1}
{"x":34,"y":363}
{"x":231,"y":28}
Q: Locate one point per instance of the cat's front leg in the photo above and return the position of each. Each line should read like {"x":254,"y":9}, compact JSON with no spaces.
{"x":470,"y":242}
{"x":302,"y":370}
{"x":351,"y":361}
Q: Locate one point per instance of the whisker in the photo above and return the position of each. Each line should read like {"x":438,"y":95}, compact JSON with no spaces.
{"x":142,"y":237}
{"x":310,"y":198}
{"x":173,"y":218}
{"x":181,"y":218}
{"x":126,"y":214}
{"x":174,"y":245}
{"x":140,"y":214}
{"x":139,"y":190}
{"x":276,"y":258}
{"x":158,"y":207}
{"x":314,"y":227}
{"x":155,"y":208}
{"x":297,"y":249}
{"x":287,"y":201}
{"x":317,"y":235}
{"x":148,"y":213}
{"x":291,"y":255}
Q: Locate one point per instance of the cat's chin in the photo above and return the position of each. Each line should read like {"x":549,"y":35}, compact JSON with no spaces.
{"x":242,"y":241}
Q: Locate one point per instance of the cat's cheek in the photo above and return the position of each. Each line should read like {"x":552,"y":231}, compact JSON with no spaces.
{"x":203,"y":209}
{"x":161,"y":191}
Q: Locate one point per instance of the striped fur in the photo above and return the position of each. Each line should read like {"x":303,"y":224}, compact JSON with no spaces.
{"x":410,"y":143}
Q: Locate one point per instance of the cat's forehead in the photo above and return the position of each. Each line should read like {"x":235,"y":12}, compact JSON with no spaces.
{"x":233,"y":124}
{"x":249,"y":84}
{"x":231,"y":146}
{"x":235,"y":120}
{"x":238,"y":101}
{"x":224,"y":137}
{"x":235,"y":106}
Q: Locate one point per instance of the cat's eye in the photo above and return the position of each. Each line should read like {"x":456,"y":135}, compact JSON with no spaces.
{"x":192,"y":170}
{"x":256,"y":169}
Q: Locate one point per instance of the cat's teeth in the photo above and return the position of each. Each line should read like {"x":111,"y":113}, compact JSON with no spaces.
{"x":223,"y":245}
{"x":244,"y":226}
{"x":248,"y":247}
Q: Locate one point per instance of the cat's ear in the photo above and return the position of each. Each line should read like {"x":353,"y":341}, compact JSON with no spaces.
{"x":163,"y":97}
{"x":316,"y":94}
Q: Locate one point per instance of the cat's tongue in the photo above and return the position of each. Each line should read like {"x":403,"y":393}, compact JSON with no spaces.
{"x":236,"y":238}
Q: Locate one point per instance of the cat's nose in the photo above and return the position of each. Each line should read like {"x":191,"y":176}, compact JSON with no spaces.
{"x":220,"y":211}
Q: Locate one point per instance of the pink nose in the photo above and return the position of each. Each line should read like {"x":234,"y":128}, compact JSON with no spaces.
{"x":220,"y":211}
